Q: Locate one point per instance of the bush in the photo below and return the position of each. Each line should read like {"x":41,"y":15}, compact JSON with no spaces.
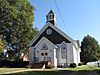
{"x":60,"y":66}
{"x":14,"y":64}
{"x":72,"y":65}
{"x":81,"y":63}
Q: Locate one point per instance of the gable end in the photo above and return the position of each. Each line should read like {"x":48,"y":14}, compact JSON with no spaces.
{"x":55,"y":37}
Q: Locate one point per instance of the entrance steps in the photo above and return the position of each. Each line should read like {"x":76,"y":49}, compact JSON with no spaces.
{"x":38,"y":65}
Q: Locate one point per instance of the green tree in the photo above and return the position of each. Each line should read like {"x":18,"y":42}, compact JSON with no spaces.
{"x":90,"y":49}
{"x":16,"y":23}
{"x":1,"y":44}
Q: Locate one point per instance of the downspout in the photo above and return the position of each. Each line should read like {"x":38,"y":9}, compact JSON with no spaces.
{"x":34,"y":55}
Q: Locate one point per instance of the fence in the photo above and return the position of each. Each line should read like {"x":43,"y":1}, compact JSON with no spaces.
{"x":95,"y":63}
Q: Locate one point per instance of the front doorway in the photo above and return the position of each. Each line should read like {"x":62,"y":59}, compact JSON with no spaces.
{"x":48,"y":59}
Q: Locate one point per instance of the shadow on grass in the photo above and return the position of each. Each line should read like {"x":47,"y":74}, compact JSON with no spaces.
{"x":62,"y":72}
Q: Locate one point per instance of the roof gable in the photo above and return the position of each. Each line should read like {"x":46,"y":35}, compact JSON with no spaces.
{"x":57,"y":35}
{"x":50,"y":12}
{"x":44,"y":41}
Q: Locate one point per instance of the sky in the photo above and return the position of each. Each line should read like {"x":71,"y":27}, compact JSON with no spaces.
{"x":81,"y":17}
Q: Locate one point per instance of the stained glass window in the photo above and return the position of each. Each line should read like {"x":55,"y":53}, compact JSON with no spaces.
{"x":63,"y":50}
{"x":44,"y":47}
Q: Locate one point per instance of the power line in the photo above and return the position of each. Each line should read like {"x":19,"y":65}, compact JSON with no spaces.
{"x":59,"y":11}
{"x":60,"y":14}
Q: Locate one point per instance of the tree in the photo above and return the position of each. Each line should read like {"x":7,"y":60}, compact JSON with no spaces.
{"x":16,"y":17}
{"x":90,"y":49}
{"x":1,"y":45}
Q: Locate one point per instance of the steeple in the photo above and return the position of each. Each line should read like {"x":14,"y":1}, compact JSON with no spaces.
{"x":50,"y":17}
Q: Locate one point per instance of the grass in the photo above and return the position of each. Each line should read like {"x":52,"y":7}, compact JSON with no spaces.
{"x":7,"y":70}
{"x":83,"y":67}
{"x":78,"y":70}
{"x":82,"y":70}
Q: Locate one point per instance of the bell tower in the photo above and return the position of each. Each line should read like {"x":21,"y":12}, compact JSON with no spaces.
{"x":50,"y":17}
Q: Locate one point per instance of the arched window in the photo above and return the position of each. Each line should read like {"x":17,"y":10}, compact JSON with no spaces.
{"x":63,"y":50}
{"x":44,"y":47}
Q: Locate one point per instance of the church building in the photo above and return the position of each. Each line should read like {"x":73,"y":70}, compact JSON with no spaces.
{"x":53,"y":45}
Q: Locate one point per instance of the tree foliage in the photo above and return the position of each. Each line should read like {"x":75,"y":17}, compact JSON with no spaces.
{"x":1,"y":44}
{"x":16,"y":17}
{"x":90,"y":50}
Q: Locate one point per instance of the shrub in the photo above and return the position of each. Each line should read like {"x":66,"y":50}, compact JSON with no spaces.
{"x":72,"y":65}
{"x":79,"y":64}
{"x":14,"y":64}
{"x":59,"y":66}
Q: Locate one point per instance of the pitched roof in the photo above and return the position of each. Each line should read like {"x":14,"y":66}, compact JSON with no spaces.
{"x":56,"y":29}
{"x":46,"y":40}
{"x":51,"y":12}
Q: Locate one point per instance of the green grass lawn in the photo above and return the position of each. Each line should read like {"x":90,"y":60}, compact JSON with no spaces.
{"x":78,"y":70}
{"x":7,"y":70}
{"x":83,"y":67}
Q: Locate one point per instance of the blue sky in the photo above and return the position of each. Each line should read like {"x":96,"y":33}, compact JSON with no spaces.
{"x":81,"y":17}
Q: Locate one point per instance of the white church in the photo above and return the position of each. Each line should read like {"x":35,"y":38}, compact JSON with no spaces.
{"x":53,"y":45}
